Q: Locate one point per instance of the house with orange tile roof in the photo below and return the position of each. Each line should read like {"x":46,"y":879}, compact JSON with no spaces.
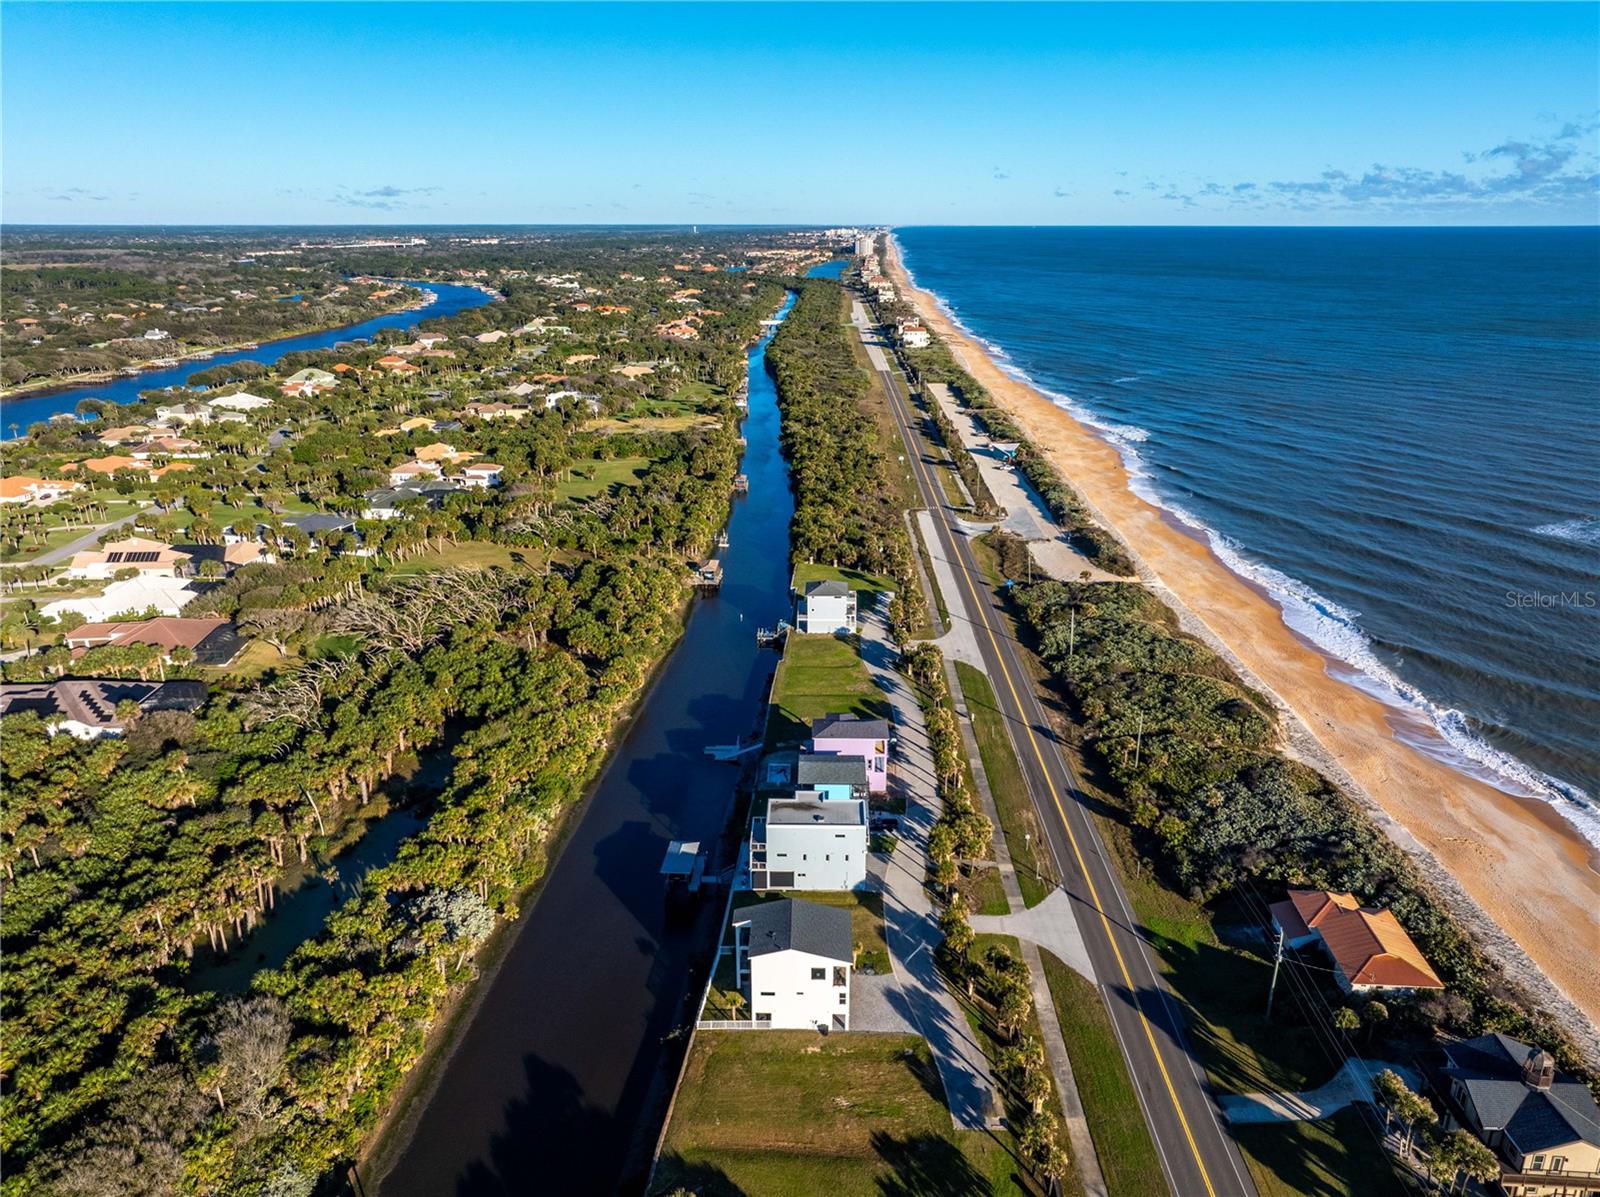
{"x":123,"y":433}
{"x":106,"y":465}
{"x":1368,"y":947}
{"x":24,"y":488}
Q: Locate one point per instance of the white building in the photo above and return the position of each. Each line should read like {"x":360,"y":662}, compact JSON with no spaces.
{"x":809,"y":841}
{"x":793,"y":958}
{"x":165,"y":596}
{"x":242,"y":401}
{"x":826,"y":608}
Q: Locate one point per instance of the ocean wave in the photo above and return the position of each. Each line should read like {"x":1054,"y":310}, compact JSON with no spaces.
{"x":1584,"y":530}
{"x":1333,"y":628}
{"x":1127,"y":378}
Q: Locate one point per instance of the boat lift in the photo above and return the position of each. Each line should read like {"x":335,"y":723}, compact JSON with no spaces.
{"x":684,"y":866}
{"x":773,"y":637}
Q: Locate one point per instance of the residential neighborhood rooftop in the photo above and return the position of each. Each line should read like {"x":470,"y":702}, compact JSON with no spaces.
{"x":791,"y":924}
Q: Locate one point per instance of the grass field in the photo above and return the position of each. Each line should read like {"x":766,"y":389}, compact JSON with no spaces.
{"x":676,"y":423}
{"x":1111,"y":1106}
{"x":593,"y":476}
{"x":866,"y":585}
{"x":1018,"y":820}
{"x":819,"y":675}
{"x":795,"y":1114}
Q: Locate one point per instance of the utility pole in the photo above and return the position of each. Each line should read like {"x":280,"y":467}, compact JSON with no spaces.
{"x":1277,"y":960}
{"x":1138,"y":741}
{"x":1072,"y":633}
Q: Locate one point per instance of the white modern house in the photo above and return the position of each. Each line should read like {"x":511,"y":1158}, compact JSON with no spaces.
{"x":809,"y":841}
{"x":793,"y":960}
{"x":826,"y":609}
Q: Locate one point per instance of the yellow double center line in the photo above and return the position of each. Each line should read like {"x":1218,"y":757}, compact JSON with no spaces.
{"x":982,"y":612}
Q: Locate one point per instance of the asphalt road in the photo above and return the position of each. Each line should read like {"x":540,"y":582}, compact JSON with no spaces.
{"x":1198,"y":1156}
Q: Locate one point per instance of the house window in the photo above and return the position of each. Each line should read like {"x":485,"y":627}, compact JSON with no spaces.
{"x":763,"y":1017}
{"x":844,"y":999}
{"x":819,"y":974}
{"x":1558,"y":1163}
{"x":769,"y":993}
{"x":838,"y":976}
{"x":1537,"y":1165}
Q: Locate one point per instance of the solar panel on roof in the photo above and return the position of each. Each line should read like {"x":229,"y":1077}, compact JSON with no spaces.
{"x":143,"y":555}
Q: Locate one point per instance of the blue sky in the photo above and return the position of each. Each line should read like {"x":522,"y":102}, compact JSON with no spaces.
{"x":902,"y":114}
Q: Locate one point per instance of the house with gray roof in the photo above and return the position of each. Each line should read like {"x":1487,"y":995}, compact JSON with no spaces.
{"x":1543,"y":1125}
{"x":831,"y":776}
{"x":826,"y":609}
{"x":793,"y":959}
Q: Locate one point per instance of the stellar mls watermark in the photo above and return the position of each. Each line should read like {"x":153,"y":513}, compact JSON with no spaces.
{"x":1545,"y":599}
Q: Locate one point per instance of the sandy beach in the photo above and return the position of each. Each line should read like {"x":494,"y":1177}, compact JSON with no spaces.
{"x":1512,"y":868}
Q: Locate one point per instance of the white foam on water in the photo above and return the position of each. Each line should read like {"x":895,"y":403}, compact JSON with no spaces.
{"x":1585,"y":529}
{"x":1334,"y":629}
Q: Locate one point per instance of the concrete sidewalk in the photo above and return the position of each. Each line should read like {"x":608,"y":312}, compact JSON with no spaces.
{"x":920,"y":997}
{"x":1050,"y":924}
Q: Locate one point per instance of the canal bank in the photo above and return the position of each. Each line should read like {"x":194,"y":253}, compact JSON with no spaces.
{"x":448,"y":299}
{"x":558,"y":1078}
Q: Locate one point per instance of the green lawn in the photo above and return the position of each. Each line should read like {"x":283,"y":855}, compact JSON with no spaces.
{"x":1111,"y":1107}
{"x":858,"y":580}
{"x":819,"y":675}
{"x":1018,"y":820}
{"x":594,"y":476}
{"x":795,"y":1114}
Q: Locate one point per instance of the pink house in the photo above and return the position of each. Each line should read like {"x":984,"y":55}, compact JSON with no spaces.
{"x":850,"y":735}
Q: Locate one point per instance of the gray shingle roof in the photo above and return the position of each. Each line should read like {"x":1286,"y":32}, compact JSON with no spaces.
{"x":803,"y":926}
{"x":831,"y":589}
{"x":1490,"y":1067}
{"x":826,"y":769}
{"x":849,"y":727}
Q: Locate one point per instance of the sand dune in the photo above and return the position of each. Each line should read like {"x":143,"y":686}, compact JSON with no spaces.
{"x":1512,"y":868}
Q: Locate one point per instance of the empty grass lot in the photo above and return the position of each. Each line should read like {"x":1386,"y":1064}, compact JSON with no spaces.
{"x":586,"y":479}
{"x":794,"y":1114}
{"x":819,"y":675}
{"x":1111,"y":1107}
{"x":1018,"y":820}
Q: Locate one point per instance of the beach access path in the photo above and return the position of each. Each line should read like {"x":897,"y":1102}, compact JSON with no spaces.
{"x":1198,"y":1156}
{"x":1027,"y":514}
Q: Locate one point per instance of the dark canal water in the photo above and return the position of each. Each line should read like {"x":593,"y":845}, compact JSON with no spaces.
{"x":559,"y":1082}
{"x":19,"y":413}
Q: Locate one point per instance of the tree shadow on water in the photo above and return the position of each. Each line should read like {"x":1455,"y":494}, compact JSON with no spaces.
{"x":927,"y":1166}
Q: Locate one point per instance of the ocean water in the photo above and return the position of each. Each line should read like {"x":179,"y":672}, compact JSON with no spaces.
{"x":1395,"y":432}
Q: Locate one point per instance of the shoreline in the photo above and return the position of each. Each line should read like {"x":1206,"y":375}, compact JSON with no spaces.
{"x":1519,"y":877}
{"x":43,"y":390}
